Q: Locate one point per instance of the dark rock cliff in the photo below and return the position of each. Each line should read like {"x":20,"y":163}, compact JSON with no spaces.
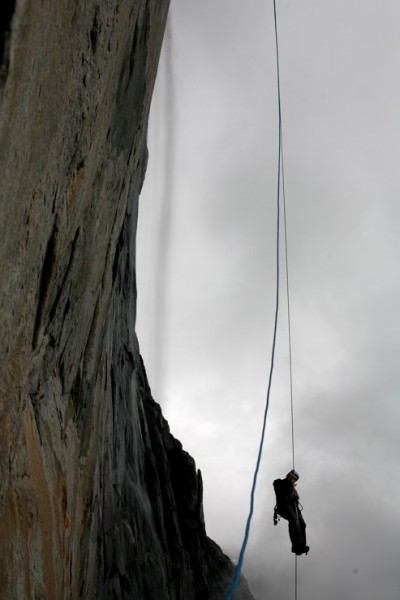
{"x":97,"y":498}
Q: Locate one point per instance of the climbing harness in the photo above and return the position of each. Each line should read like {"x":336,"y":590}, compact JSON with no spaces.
{"x":280,"y":183}
{"x":277,"y":516}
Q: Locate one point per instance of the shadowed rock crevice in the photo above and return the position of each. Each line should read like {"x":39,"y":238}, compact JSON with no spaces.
{"x":95,"y":30}
{"x":61,"y":289}
{"x":7,"y":9}
{"x":45,"y":278}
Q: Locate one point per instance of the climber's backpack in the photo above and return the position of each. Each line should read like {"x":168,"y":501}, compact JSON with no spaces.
{"x":281,"y":493}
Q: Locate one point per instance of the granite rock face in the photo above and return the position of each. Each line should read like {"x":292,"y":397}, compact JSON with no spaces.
{"x":97,"y":498}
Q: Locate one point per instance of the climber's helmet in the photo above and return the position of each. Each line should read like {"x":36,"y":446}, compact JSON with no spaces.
{"x":293,"y":475}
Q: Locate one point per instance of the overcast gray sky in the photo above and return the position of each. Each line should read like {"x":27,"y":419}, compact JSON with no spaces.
{"x":206,"y":332}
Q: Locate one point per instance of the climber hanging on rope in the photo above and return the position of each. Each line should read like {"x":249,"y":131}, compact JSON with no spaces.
{"x":288,"y":507}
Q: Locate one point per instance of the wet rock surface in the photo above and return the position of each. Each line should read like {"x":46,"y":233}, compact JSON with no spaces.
{"x":97,"y":498}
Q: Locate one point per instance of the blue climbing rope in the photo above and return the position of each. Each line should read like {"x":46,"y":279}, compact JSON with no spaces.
{"x":238,"y":569}
{"x":239,"y":565}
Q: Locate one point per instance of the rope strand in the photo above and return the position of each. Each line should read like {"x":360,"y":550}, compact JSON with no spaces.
{"x":285,"y":231}
{"x":280,"y":184}
{"x":281,"y":162}
{"x":239,"y":565}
